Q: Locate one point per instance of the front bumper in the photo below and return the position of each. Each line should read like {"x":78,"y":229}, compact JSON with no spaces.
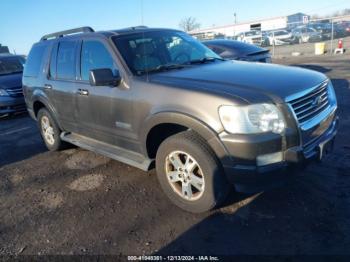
{"x":243,"y":168}
{"x":11,"y":105}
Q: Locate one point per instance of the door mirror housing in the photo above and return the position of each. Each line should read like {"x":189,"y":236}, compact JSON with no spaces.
{"x":104,"y":77}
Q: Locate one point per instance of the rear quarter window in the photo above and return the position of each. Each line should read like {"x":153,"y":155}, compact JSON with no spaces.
{"x":34,"y":61}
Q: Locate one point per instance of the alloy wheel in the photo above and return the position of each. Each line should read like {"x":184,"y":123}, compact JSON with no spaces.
{"x":47,"y":130}
{"x":185,"y":175}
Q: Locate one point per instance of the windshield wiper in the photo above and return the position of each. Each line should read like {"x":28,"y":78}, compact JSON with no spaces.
{"x":162,"y":68}
{"x":206,"y":59}
{"x":168,"y":67}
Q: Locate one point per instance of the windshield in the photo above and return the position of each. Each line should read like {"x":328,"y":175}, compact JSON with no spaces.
{"x":156,"y":50}
{"x":11,"y":65}
{"x":279,"y":33}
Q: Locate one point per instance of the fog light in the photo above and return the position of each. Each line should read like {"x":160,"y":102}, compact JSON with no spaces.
{"x":267,"y":159}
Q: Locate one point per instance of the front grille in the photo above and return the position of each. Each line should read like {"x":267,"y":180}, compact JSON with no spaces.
{"x":311,"y":104}
{"x":15,"y":92}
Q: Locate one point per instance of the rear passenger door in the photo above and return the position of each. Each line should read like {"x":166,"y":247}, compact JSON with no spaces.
{"x":61,"y":85}
{"x":105,"y":112}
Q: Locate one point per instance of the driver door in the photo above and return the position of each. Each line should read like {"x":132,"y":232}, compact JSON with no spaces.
{"x":104,"y":112}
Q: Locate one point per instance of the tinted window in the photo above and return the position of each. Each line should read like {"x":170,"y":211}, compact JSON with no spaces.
{"x":66,"y":60}
{"x":34,"y":60}
{"x":11,"y":65}
{"x":94,"y":55}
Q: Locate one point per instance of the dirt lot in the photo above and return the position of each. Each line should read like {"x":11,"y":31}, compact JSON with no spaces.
{"x":75,"y":202}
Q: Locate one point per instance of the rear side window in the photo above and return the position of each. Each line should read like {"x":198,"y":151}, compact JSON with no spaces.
{"x":94,"y":55}
{"x":34,"y":61}
{"x":66,"y":60}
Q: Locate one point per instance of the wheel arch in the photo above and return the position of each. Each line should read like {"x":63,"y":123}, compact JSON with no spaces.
{"x":154,"y":127}
{"x":40,"y":101}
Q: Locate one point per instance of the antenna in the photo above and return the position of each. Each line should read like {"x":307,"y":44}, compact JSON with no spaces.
{"x":143,"y":35}
{"x":141,"y":6}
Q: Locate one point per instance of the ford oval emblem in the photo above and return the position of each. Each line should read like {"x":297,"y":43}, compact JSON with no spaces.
{"x":317,"y":101}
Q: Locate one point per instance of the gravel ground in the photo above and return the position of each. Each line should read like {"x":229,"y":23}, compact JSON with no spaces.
{"x":76,"y":202}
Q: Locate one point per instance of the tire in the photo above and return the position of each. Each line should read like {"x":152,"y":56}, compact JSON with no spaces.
{"x":205,"y":167}
{"x":53,"y":145}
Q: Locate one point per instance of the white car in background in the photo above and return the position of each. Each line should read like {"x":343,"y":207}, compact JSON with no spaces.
{"x":253,"y":37}
{"x":280,"y":37}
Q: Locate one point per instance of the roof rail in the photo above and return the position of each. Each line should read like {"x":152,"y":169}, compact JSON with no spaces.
{"x":85,"y":29}
{"x":139,"y":27}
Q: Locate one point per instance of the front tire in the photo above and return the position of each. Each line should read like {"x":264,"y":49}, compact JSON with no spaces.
{"x":50,"y":131}
{"x":190,"y":173}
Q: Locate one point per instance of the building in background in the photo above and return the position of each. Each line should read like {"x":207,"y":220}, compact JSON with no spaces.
{"x":269,"y":24}
{"x":4,"y":49}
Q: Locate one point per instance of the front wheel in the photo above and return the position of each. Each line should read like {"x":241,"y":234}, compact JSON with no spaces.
{"x":190,"y":173}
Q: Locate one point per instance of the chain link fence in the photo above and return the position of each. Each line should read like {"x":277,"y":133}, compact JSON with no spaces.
{"x":305,"y":37}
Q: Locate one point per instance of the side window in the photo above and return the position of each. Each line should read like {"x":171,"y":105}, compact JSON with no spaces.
{"x":66,"y":60}
{"x":94,"y":55}
{"x":34,"y":61}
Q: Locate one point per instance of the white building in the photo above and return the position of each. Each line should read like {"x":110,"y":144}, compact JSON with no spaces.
{"x":269,"y":24}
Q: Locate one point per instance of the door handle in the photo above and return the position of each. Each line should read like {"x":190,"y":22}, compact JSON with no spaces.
{"x":83,"y":92}
{"x":47,"y":86}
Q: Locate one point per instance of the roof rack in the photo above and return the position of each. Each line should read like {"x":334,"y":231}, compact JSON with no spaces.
{"x":85,"y":29}
{"x":138,"y":27}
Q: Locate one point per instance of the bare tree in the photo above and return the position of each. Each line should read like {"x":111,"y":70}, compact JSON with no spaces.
{"x":189,"y":23}
{"x":346,"y":11}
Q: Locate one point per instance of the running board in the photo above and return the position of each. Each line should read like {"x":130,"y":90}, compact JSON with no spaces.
{"x":114,"y":152}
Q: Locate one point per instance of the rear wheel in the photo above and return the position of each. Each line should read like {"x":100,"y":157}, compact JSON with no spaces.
{"x":50,"y":131}
{"x":190,"y":173}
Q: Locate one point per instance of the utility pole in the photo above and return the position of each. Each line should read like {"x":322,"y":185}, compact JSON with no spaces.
{"x":234,"y":31}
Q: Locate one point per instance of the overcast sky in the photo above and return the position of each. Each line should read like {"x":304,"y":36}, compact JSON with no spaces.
{"x":23,"y":22}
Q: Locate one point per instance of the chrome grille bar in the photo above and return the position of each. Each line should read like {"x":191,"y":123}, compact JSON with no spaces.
{"x":15,"y":92}
{"x":309,"y":105}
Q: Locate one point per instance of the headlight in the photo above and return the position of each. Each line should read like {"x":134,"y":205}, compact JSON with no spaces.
{"x":331,"y":94}
{"x":258,"y":118}
{"x":3,"y":92}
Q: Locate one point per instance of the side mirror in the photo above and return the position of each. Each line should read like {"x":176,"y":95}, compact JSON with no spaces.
{"x":104,"y":77}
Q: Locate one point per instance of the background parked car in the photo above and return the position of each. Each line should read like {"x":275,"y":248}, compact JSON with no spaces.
{"x":325,"y":29}
{"x":344,"y":28}
{"x":235,"y":50}
{"x":11,"y":94}
{"x":305,"y":34}
{"x":251,"y":37}
{"x":280,"y":37}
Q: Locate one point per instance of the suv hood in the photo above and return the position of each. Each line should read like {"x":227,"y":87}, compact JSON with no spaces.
{"x":11,"y":81}
{"x":236,"y":77}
